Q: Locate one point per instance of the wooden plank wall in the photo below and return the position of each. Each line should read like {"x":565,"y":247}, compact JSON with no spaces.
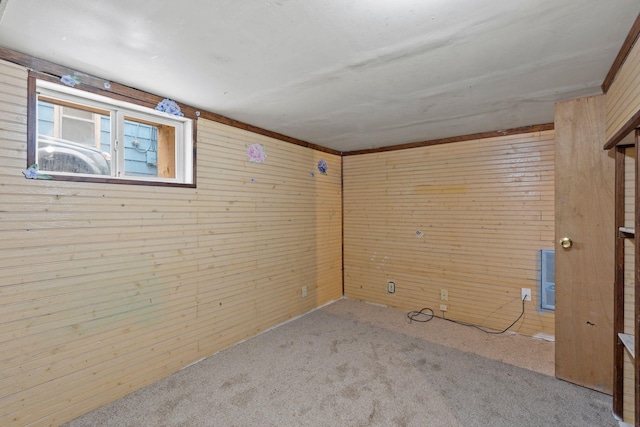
{"x":623,"y":97}
{"x":629,"y":283}
{"x":107,"y":288}
{"x":468,"y":217}
{"x":622,"y":104}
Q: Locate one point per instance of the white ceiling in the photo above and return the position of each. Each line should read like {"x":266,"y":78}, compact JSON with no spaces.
{"x":343,"y":74}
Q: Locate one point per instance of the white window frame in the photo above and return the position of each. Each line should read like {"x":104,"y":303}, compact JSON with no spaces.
{"x":118,"y":110}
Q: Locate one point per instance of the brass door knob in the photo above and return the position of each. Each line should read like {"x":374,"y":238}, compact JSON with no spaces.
{"x":566,"y":243}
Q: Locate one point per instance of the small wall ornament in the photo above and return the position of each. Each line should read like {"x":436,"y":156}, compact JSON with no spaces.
{"x":256,"y":154}
{"x":322,"y":166}
{"x":70,"y":80}
{"x":32,"y":173}
{"x":169,"y":106}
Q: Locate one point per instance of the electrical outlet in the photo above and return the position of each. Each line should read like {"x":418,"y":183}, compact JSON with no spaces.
{"x":525,"y":294}
{"x":304,"y":292}
{"x":444,"y":295}
{"x":443,"y":307}
{"x":391,"y":287}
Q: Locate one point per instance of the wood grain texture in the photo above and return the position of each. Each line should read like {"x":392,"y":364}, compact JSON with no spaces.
{"x":624,"y":292}
{"x":468,"y":217}
{"x":626,"y":47}
{"x":584,"y":182}
{"x":629,"y":285}
{"x":625,"y":129}
{"x":106,"y":288}
{"x":636,"y":285}
{"x":241,"y":125}
{"x":460,"y":138}
{"x":623,"y":99}
{"x":52,"y":72}
{"x":618,"y":291}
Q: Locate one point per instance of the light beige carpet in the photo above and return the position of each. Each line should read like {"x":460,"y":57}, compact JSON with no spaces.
{"x":519,"y":350}
{"x":336,"y":367}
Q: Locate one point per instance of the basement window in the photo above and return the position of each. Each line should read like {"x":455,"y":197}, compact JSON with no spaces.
{"x":82,"y":136}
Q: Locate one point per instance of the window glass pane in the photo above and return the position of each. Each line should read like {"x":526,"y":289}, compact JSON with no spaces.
{"x":149,"y":149}
{"x":78,"y":133}
{"x":78,"y":125}
{"x":76,"y":113}
{"x":46,"y":112}
{"x":73,"y":140}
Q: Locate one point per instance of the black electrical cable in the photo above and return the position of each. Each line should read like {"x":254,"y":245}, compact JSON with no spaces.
{"x":414,"y":317}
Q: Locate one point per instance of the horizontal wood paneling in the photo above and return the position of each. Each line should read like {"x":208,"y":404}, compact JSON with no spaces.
{"x":468,"y":217}
{"x":459,"y":138}
{"x":623,"y":96}
{"x":106,"y":288}
{"x":626,"y":47}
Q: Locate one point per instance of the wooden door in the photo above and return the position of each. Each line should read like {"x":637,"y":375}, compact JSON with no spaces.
{"x":584,"y":187}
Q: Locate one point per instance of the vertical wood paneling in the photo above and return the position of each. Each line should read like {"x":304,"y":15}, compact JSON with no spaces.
{"x":106,"y":288}
{"x":468,"y":217}
{"x":629,"y":283}
{"x":623,"y":97}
